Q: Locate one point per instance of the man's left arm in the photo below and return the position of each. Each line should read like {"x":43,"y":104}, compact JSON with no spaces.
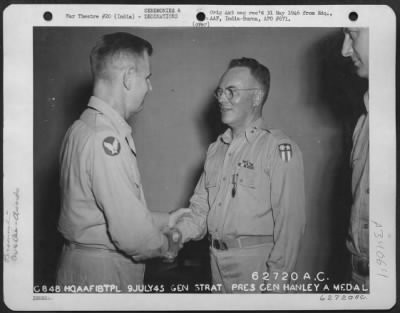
{"x":288,"y":205}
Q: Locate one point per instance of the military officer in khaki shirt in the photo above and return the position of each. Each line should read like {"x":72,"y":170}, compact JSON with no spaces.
{"x":356,"y":47}
{"x":104,"y":218}
{"x":250,"y":197}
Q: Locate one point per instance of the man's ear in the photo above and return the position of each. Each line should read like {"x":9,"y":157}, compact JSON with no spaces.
{"x":129,"y":76}
{"x":257,"y":98}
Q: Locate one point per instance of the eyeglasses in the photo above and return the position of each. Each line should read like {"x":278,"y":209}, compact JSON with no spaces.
{"x":229,"y":92}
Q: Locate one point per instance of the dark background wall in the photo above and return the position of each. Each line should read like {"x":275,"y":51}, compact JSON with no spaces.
{"x":314,"y":98}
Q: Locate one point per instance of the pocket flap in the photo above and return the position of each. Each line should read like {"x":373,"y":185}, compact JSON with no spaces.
{"x":211,"y":183}
{"x":247,"y":178}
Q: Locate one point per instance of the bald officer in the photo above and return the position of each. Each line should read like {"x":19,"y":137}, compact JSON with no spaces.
{"x":356,"y":47}
{"x":104,"y":218}
{"x":250,"y":197}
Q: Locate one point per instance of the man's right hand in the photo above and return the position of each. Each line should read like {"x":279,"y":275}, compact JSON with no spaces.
{"x":176,"y":215}
{"x":174,"y":244}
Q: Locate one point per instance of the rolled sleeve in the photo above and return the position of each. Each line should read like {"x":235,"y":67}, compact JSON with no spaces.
{"x":130,"y":224}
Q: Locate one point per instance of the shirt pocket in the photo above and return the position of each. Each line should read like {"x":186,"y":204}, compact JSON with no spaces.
{"x":247,"y":178}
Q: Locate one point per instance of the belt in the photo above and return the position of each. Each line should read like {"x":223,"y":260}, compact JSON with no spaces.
{"x":360,"y":265}
{"x":77,"y":246}
{"x":239,"y":242}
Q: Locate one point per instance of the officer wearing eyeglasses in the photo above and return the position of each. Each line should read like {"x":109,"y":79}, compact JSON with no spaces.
{"x":250,"y":196}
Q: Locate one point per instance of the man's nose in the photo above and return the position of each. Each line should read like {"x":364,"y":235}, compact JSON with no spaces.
{"x":222,"y":98}
{"x":347,"y":48}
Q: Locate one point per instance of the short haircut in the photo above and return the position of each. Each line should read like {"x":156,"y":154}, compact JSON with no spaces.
{"x":115,"y":45}
{"x":257,"y":70}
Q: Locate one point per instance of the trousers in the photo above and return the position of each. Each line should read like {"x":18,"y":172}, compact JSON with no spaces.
{"x":360,"y":271}
{"x":81,"y":267}
{"x":240,"y":270}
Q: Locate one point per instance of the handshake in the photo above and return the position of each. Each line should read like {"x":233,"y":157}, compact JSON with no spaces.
{"x":174,"y":235}
{"x":174,"y":244}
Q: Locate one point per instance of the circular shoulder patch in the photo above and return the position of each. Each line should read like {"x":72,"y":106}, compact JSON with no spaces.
{"x":111,"y":146}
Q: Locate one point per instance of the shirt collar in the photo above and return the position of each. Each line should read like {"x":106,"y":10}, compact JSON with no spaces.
{"x":116,"y":119}
{"x":249,"y":133}
{"x":366,"y":101}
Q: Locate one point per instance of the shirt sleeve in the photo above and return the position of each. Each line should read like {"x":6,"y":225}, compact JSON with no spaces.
{"x":160,"y":219}
{"x":194,"y":226}
{"x":288,"y":207}
{"x":130,"y":224}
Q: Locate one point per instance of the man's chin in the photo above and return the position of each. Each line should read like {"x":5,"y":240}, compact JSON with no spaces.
{"x":140,"y":108}
{"x":362,"y":72}
{"x":225,"y":119}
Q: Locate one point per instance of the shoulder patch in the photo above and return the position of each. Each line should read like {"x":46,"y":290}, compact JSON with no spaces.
{"x":111,"y":146}
{"x":285,"y":152}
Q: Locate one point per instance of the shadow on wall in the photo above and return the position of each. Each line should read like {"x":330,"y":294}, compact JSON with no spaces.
{"x":338,"y":84}
{"x":76,"y":99}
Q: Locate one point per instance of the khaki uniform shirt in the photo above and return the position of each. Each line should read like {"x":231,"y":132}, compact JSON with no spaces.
{"x":251,"y":185}
{"x":358,"y":242}
{"x":102,"y":200}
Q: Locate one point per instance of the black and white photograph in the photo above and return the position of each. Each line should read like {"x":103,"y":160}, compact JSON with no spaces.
{"x":205,"y":159}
